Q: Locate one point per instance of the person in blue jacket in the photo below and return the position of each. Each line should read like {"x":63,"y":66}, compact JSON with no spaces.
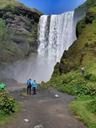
{"x":34,"y":87}
{"x":29,"y":86}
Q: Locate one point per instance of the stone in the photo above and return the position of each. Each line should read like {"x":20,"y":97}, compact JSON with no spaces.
{"x":26,"y":120}
{"x":56,"y":95}
{"x":39,"y":126}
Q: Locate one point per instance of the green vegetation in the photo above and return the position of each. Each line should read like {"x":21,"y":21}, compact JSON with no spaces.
{"x":84,"y":88}
{"x":67,"y":76}
{"x":8,"y":107}
{"x":15,"y":3}
{"x":33,"y":36}
{"x":5,"y":118}
{"x":5,"y":3}
{"x":18,"y":31}
{"x":74,"y":83}
{"x":81,"y":107}
{"x":3,"y":30}
{"x":7,"y":103}
{"x":8,"y":49}
{"x":90,"y":3}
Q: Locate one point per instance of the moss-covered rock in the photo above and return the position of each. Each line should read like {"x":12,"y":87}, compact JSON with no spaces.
{"x":18,"y":30}
{"x":76,"y":73}
{"x":83,"y":51}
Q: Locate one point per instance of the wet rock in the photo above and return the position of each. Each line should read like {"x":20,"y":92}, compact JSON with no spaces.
{"x":39,"y":126}
{"x":56,"y":95}
{"x":21,"y":25}
{"x":26,"y":120}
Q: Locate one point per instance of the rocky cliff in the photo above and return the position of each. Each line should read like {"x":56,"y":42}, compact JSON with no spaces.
{"x":76,"y":73}
{"x":83,"y":50}
{"x":18,"y":30}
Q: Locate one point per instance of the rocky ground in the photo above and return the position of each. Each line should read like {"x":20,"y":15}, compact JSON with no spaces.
{"x":44,"y":110}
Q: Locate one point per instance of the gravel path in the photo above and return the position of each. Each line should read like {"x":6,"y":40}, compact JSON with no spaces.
{"x":44,"y":110}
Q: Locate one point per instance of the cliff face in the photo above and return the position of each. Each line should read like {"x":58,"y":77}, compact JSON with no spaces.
{"x":83,"y":50}
{"x":18,"y":30}
{"x":76,"y":73}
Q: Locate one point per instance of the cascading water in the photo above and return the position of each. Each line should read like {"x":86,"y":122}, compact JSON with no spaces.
{"x":58,"y":37}
{"x":56,"y":33}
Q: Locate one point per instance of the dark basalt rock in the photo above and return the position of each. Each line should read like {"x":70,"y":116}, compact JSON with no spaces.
{"x":21,"y":26}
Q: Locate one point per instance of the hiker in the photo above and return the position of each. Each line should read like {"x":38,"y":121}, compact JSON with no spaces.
{"x":82,"y":71}
{"x":29,"y":86}
{"x":34,"y":87}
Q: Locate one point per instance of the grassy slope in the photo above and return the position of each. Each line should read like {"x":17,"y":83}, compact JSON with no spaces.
{"x":4,"y":3}
{"x":81,"y":53}
{"x":14,"y":3}
{"x":80,"y":108}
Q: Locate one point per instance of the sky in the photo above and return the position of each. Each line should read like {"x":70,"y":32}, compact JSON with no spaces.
{"x":53,"y":6}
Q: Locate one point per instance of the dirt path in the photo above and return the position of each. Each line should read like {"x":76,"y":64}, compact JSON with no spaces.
{"x":46,"y":110}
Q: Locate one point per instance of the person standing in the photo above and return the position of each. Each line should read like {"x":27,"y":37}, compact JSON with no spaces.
{"x":34,"y":87}
{"x":29,"y":86}
{"x":82,"y":71}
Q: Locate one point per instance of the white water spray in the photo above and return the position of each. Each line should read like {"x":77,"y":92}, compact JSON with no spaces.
{"x":58,"y":37}
{"x":56,"y":33}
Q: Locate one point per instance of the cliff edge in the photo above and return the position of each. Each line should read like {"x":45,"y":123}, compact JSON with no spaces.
{"x":18,"y":30}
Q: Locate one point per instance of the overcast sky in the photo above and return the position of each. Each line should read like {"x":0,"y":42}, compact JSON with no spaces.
{"x":53,"y":6}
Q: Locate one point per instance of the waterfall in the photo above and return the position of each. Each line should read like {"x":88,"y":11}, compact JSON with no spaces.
{"x":56,"y":34}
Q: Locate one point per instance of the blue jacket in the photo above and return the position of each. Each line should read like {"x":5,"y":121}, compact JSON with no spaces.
{"x":34,"y":84}
{"x":29,"y":82}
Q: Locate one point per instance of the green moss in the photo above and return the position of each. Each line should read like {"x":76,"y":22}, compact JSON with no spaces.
{"x":92,"y":106}
{"x":83,"y":50}
{"x":15,"y":3}
{"x":90,"y":3}
{"x":80,"y":27}
{"x":81,"y":54}
{"x":11,"y":3}
{"x":93,"y":10}
{"x":3,"y":30}
{"x":80,"y":108}
{"x":33,"y":35}
{"x":17,"y":40}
